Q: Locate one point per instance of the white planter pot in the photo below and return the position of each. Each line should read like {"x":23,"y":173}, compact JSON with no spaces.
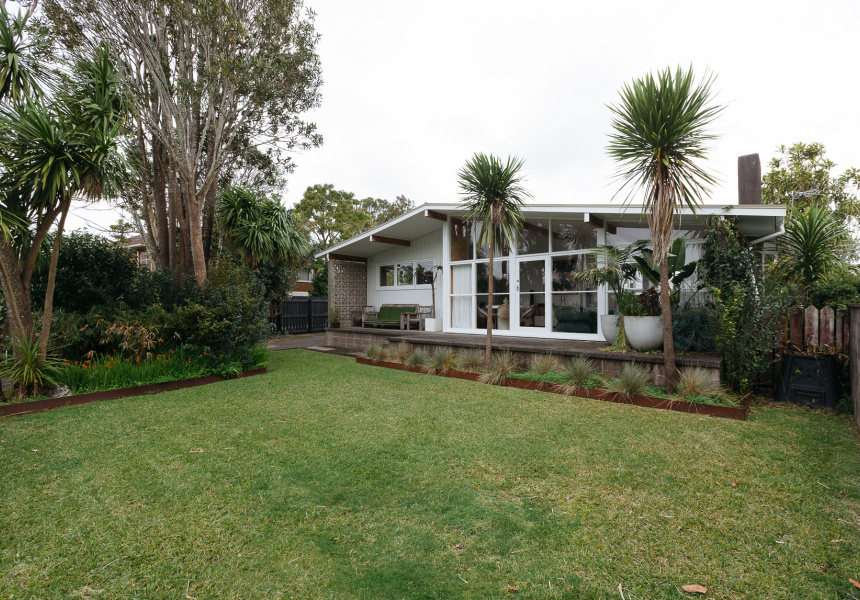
{"x":609,"y":327}
{"x":644,"y":333}
{"x":432,"y":324}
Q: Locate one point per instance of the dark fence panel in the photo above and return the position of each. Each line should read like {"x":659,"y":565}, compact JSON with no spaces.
{"x":303,"y":315}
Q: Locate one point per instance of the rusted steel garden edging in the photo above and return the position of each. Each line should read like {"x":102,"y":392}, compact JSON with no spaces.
{"x":723,"y":412}
{"x":141,"y":390}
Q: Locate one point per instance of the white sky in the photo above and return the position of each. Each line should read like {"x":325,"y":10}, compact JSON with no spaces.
{"x":412,"y":89}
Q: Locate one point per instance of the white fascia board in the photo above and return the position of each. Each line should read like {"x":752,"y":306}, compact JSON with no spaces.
{"x":768,"y":210}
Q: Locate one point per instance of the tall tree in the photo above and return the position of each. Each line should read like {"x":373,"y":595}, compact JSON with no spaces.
{"x":802,"y":176}
{"x":494,"y":196}
{"x":660,"y":133}
{"x":211,"y":79}
{"x":51,"y":153}
{"x":330,"y":215}
{"x":381,"y":211}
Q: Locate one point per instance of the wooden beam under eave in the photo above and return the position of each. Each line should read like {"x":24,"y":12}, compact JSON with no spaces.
{"x":610,"y":229}
{"x":435,"y":215}
{"x":387,"y":240}
{"x":593,"y":220}
{"x":335,"y":256}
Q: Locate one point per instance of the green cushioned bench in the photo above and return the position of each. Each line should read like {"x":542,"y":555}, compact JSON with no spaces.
{"x":387,"y":315}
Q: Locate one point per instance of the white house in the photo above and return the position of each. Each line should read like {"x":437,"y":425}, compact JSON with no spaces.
{"x":533,"y":292}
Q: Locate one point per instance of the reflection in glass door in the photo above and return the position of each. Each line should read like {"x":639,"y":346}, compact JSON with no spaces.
{"x":532,"y":294}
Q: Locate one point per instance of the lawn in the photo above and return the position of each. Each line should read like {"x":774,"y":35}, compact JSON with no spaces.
{"x":328,"y":479}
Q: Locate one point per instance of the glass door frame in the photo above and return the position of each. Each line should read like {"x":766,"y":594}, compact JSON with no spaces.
{"x":518,"y":309}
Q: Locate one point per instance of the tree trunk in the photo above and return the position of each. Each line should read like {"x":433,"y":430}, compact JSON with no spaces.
{"x":159,"y":202}
{"x":49,"y":291}
{"x":209,"y":220}
{"x":490,"y":298}
{"x":18,"y":322}
{"x":668,"y":340}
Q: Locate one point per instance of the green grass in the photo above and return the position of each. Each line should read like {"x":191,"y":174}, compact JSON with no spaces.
{"x":327,"y":479}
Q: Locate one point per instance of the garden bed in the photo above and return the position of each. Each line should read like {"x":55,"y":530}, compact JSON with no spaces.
{"x":724,"y":412}
{"x":140,"y":390}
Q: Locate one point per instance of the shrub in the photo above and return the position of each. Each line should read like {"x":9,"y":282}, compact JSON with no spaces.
{"x":748,"y":329}
{"x":471,"y":360}
{"x":581,"y":371}
{"x":693,"y":329}
{"x":444,"y":360}
{"x":320,"y":284}
{"x":91,"y":271}
{"x":633,"y":380}
{"x":29,"y":373}
{"x":502,"y":364}
{"x":837,"y":292}
{"x":544,"y":363}
{"x":226,"y":317}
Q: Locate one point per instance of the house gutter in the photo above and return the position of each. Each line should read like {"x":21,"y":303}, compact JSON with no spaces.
{"x":766,"y":238}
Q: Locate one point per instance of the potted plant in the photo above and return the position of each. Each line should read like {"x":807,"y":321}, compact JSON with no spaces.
{"x":643,"y":322}
{"x":615,"y":271}
{"x":334,"y":317}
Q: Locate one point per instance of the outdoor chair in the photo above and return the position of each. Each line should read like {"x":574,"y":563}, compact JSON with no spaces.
{"x":415,"y":318}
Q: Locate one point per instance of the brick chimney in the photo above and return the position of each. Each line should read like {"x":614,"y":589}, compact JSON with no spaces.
{"x":749,"y":179}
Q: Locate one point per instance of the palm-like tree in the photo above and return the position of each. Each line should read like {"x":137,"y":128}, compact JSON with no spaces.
{"x":660,"y":132}
{"x":815,"y":245}
{"x":493,"y":196}
{"x":260,"y":228}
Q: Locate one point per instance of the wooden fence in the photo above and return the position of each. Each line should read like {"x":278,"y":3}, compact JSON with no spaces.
{"x":817,"y":329}
{"x":303,"y":315}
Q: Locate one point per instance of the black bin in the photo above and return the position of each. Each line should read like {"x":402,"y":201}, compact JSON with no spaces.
{"x":808,"y":380}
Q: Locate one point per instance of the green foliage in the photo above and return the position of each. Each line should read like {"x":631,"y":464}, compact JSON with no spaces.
{"x":225,"y":318}
{"x":276,"y":280}
{"x":693,"y":329}
{"x":382,"y":211}
{"x":727,"y":258}
{"x":615,"y":270}
{"x":632,"y":380}
{"x":29,"y":372}
{"x":814,"y":247}
{"x":679,"y":269}
{"x":838,"y":291}
{"x":20,"y":73}
{"x":330,"y":215}
{"x":260,"y":228}
{"x":334,"y":315}
{"x":110,"y":372}
{"x":748,"y":329}
{"x":647,"y":304}
{"x":91,"y":271}
{"x":802,"y":176}
{"x":320,"y":284}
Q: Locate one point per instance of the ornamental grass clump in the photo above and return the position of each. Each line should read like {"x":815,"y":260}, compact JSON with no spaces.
{"x":471,"y":361}
{"x":444,"y":360}
{"x":502,"y":364}
{"x":418,"y":358}
{"x":401,"y":352}
{"x":632,"y":380}
{"x":581,"y":371}
{"x":697,"y":382}
{"x":544,"y":363}
{"x":377,"y":353}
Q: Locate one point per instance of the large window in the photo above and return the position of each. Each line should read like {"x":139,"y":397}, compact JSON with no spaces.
{"x":574,"y":304}
{"x":406,"y":274}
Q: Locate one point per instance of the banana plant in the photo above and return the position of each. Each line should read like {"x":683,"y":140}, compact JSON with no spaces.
{"x":679,"y":269}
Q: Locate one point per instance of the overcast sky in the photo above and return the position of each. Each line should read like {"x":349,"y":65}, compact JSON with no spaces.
{"x":412,"y":89}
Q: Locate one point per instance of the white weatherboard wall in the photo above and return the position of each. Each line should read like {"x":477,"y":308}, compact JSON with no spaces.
{"x":428,"y":247}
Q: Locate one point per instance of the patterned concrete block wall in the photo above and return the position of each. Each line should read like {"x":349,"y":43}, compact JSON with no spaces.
{"x":347,"y":288}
